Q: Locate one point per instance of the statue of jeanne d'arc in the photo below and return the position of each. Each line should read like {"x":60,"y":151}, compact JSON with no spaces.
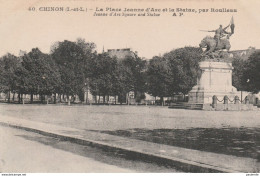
{"x":220,"y":33}
{"x":220,"y":40}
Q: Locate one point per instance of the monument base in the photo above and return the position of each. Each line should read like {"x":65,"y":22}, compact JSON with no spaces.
{"x":215,"y":80}
{"x":197,"y":95}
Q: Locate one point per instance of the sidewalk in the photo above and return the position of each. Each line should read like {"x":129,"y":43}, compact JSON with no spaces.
{"x":184,"y":159}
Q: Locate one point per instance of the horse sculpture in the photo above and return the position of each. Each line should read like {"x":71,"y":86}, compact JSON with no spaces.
{"x":211,"y":46}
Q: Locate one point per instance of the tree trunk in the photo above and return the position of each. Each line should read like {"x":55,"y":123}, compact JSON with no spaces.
{"x":22,"y":99}
{"x":104,"y":99}
{"x":120,"y":99}
{"x":31,"y":98}
{"x":41,"y":96}
{"x":8,"y":96}
{"x":128,"y":98}
{"x":54,"y":98}
{"x":161,"y":100}
{"x":115,"y":99}
{"x":19,"y":98}
{"x":86,"y":97}
{"x":67,"y":98}
{"x":95,"y":99}
{"x":13,"y":96}
{"x":72,"y":98}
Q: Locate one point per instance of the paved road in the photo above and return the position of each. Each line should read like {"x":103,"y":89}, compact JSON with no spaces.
{"x":25,"y":152}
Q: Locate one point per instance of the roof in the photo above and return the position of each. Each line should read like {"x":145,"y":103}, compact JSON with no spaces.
{"x":121,"y":53}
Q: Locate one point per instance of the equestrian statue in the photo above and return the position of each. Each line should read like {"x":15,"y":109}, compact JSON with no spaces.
{"x":220,"y":41}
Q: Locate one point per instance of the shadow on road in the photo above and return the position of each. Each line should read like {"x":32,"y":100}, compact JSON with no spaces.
{"x":242,"y":142}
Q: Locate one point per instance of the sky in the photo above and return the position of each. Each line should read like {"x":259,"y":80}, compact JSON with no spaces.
{"x":21,"y":29}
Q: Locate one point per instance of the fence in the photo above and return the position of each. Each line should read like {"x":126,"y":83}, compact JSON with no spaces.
{"x":226,"y":100}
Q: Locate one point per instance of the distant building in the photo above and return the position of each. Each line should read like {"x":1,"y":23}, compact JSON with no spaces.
{"x":244,"y":54}
{"x":121,"y":53}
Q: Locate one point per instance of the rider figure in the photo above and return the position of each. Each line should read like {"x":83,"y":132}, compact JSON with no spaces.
{"x":219,"y":33}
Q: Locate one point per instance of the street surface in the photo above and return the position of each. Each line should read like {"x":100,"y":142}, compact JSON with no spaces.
{"x":24,"y":152}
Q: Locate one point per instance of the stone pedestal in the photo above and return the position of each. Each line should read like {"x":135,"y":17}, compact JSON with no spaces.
{"x":216,"y":79}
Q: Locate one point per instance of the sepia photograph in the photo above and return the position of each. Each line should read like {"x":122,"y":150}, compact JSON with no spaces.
{"x":129,"y":86}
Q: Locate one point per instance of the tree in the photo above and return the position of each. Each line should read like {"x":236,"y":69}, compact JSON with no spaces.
{"x":158,"y":77}
{"x":8,"y":78}
{"x":87,"y":47}
{"x":122,"y":82}
{"x":183,"y":69}
{"x":102,"y":75}
{"x":22,"y":81}
{"x":238,"y":72}
{"x":251,"y":78}
{"x":135,"y":74}
{"x":67,"y":55}
{"x":73,"y":60}
{"x":44,"y":77}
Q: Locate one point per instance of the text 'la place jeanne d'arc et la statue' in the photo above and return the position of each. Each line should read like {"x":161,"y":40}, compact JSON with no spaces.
{"x":110,"y":9}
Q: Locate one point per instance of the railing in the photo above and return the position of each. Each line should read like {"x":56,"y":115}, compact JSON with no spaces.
{"x":226,"y":100}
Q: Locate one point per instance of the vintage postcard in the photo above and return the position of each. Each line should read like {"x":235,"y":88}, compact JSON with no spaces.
{"x":129,"y":86}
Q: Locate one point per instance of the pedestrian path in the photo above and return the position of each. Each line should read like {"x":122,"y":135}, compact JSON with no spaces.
{"x":185,"y":159}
